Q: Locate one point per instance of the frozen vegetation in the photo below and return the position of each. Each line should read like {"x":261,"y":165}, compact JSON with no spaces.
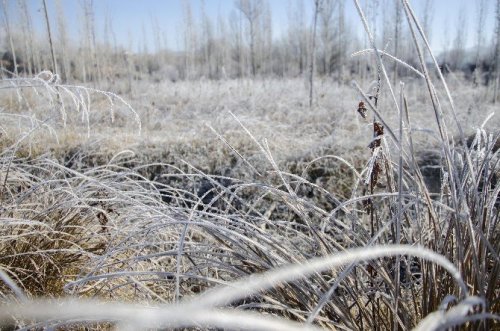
{"x":245,"y":204}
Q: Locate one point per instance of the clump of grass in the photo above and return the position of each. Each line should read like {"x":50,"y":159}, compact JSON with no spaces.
{"x":52,"y":223}
{"x":44,"y":102}
{"x":454,"y":230}
{"x":48,"y":231}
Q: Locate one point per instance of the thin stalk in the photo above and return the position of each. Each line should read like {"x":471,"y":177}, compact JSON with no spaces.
{"x":444,"y":138}
{"x":409,"y":13}
{"x":379,"y":62}
{"x":317,"y":4}
{"x":54,"y":62}
{"x":400,"y":211}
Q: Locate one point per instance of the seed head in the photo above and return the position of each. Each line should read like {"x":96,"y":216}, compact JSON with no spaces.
{"x":378,"y":129}
{"x":362,"y":109}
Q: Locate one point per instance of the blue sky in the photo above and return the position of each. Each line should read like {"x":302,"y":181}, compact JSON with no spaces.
{"x":131,"y":17}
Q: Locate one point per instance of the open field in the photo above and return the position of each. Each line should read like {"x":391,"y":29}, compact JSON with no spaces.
{"x":103,"y":209}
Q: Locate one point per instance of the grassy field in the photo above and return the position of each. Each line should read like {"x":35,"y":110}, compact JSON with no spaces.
{"x":232,"y":204}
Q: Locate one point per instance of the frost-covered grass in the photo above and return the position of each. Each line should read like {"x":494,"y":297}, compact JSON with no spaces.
{"x":234,"y":205}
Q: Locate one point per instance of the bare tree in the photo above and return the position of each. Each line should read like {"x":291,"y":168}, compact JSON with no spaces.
{"x":52,"y":50}
{"x":237,"y":54}
{"x":9,"y":35}
{"x":111,"y":31}
{"x":496,"y":56}
{"x":108,"y":50}
{"x":266,"y":44}
{"x":92,"y":30}
{"x":207,"y":34}
{"x":480,"y":16}
{"x":221,"y":50}
{"x":457,"y":55}
{"x":91,"y":68}
{"x":317,"y":8}
{"x":63,"y":41}
{"x":27,"y":30}
{"x":428,"y":17}
{"x":326,"y":35}
{"x":189,"y":40}
{"x":446,"y":40}
{"x":303,"y":37}
{"x":251,"y":10}
{"x":341,"y":40}
{"x":298,"y":36}
{"x":398,"y":20}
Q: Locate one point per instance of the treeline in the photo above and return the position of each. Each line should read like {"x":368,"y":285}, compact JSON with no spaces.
{"x":241,"y":44}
